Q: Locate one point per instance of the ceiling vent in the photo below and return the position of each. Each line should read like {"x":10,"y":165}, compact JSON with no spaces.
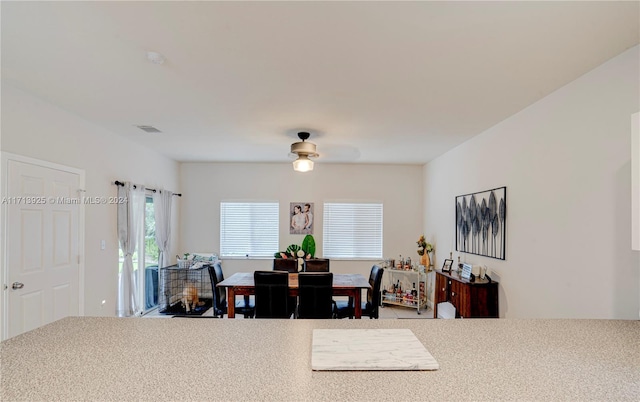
{"x":149,"y":129}
{"x":155,"y":57}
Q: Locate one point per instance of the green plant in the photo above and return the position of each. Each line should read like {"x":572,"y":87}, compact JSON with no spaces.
{"x":424,"y":246}
{"x":293,"y":249}
{"x":309,"y":246}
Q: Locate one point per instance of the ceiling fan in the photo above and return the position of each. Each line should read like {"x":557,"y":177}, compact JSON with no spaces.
{"x":304,"y":151}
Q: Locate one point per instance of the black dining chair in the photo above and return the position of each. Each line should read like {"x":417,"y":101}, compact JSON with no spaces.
{"x":272,"y":294}
{"x":285,"y":264}
{"x":316,"y":265}
{"x":290,"y":265}
{"x":314,"y":292}
{"x":244,"y":307}
{"x":345,"y":308}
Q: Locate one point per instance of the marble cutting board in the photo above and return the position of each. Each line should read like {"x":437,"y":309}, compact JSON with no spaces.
{"x":369,"y":349}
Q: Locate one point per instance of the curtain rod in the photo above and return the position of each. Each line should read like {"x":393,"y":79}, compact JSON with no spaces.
{"x":119,"y":183}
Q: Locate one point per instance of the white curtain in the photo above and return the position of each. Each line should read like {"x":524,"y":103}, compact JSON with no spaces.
{"x":162,"y":208}
{"x":130,"y":218}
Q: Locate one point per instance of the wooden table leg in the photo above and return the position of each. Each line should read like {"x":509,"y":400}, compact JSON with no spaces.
{"x":231,"y":302}
{"x":358,"y":304}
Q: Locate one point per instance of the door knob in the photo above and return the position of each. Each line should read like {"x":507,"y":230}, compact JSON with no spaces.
{"x":453,"y":293}
{"x":17,"y":285}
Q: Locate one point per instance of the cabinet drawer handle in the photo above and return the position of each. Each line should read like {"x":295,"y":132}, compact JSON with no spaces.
{"x":443,"y":289}
{"x":453,"y":293}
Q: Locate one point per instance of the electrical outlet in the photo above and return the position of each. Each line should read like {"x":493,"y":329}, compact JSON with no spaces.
{"x":103,"y":245}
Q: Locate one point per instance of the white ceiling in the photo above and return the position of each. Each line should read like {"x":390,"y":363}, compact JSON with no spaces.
{"x":374,"y":82}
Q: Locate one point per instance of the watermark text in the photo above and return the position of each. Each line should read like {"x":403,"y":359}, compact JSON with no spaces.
{"x":42,"y":200}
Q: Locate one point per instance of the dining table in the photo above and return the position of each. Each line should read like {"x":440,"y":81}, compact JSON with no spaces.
{"x":241,"y":283}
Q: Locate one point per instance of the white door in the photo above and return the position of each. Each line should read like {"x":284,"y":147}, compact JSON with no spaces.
{"x":42,"y":245}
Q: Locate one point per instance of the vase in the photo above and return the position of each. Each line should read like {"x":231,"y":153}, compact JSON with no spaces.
{"x":424,"y":260}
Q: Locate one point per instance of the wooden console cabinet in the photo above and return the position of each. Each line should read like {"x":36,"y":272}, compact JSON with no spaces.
{"x":477,"y":299}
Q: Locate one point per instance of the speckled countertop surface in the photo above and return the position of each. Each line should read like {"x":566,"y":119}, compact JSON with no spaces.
{"x":109,"y":359}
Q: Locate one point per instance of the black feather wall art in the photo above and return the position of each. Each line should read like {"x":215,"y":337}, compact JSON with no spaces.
{"x":481,"y":220}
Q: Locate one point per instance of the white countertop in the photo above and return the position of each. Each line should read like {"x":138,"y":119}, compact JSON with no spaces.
{"x":108,"y":359}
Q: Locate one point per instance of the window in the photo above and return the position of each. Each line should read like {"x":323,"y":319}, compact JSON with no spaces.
{"x":352,"y":230}
{"x":149,"y":283}
{"x":249,"y":229}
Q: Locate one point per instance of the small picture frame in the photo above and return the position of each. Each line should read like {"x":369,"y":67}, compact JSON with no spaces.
{"x":466,"y":271}
{"x":446,"y":267}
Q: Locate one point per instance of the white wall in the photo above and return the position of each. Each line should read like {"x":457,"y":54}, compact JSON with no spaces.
{"x":566,"y":163}
{"x":635,"y":181}
{"x":204,"y":185}
{"x":37,"y":129}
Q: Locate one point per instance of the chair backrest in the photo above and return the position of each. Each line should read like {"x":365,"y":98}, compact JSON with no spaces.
{"x":373,"y":294}
{"x":316,"y":265}
{"x":219,"y":294}
{"x":315,"y":290}
{"x":285,"y":264}
{"x":272,"y":294}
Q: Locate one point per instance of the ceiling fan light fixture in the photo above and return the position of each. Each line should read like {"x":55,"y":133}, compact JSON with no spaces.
{"x":304,"y":150}
{"x":303,"y":164}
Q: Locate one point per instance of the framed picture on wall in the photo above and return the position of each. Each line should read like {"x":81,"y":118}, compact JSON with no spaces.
{"x":301,"y":218}
{"x":481,"y":223}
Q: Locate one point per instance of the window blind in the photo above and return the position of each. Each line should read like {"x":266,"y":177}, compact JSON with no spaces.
{"x":352,"y":230}
{"x":249,"y":229}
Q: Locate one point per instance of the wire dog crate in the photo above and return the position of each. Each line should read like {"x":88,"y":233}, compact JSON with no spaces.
{"x":184,"y":290}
